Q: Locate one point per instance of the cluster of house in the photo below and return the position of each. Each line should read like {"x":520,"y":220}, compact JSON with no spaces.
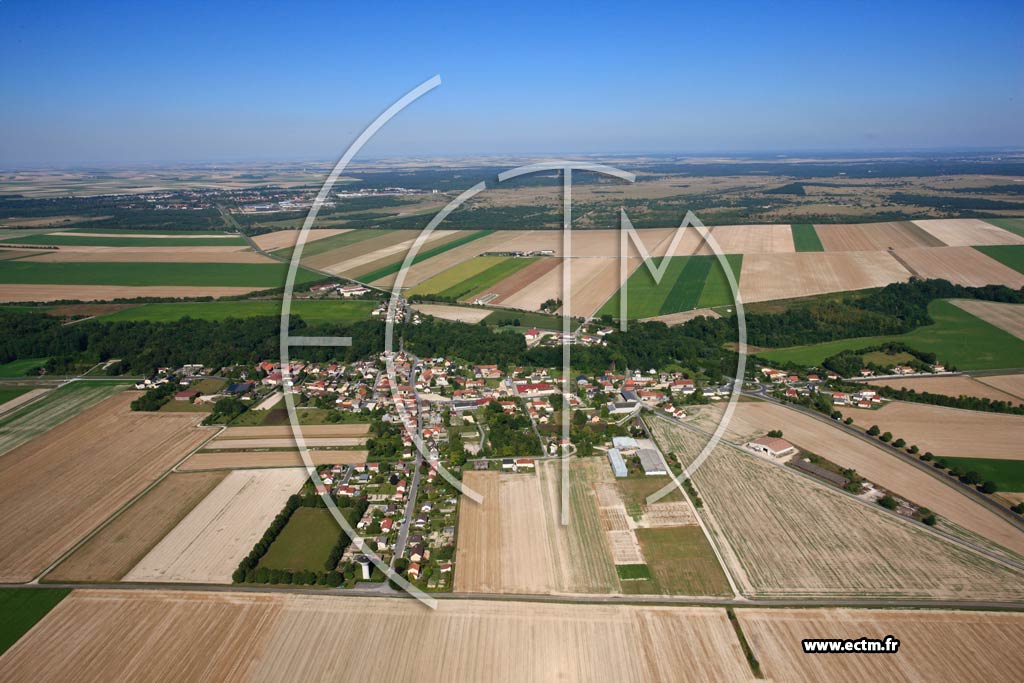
{"x":400,"y":312}
{"x":578,"y":338}
{"x":901,"y":370}
{"x":865,"y":398}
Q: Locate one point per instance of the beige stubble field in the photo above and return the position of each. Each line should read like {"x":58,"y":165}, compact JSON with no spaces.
{"x":1011,"y":384}
{"x":874,"y":236}
{"x":175,"y":635}
{"x":956,"y":385}
{"x":1007,"y":317}
{"x":206,"y":546}
{"x":786,"y":276}
{"x":13,"y":293}
{"x":61,"y":485}
{"x":240,"y":460}
{"x":282,"y":239}
{"x":960,"y":265}
{"x":965,"y":232}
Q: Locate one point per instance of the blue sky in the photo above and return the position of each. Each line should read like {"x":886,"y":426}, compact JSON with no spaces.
{"x":113,"y":82}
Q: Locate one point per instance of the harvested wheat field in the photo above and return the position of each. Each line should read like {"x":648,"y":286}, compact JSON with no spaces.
{"x":369,"y":255}
{"x":686,"y":316}
{"x":283,"y":442}
{"x":63,"y":484}
{"x":950,"y":431}
{"x":874,"y":236}
{"x":592,"y":282}
{"x":756,"y":418}
{"x":107,"y":635}
{"x":282,"y":431}
{"x":243,"y":460}
{"x":237,"y":254}
{"x":1007,"y":317}
{"x":751,"y":239}
{"x":934,"y":645}
{"x":957,"y":385}
{"x":119,"y":546}
{"x":783,"y":535}
{"x":968,"y":232}
{"x":207,"y":545}
{"x":10,"y":293}
{"x":959,"y":265}
{"x":787,"y":276}
{"x":462,"y":314}
{"x":19,"y":401}
{"x":1011,"y":384}
{"x":513,"y":541}
{"x":521,"y":280}
{"x":282,"y":239}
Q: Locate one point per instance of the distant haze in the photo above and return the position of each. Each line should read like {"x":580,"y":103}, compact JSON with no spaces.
{"x":127,"y":83}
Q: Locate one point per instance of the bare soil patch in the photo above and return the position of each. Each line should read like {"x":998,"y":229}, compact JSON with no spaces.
{"x":282,"y":239}
{"x":961,"y":266}
{"x":61,"y":485}
{"x":787,"y":276}
{"x":463,"y":314}
{"x":874,"y":236}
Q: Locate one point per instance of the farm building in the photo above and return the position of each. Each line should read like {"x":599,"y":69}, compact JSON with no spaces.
{"x":770,"y":445}
{"x":651,"y":461}
{"x":618,"y":464}
{"x":820,"y":472}
{"x":626,"y":444}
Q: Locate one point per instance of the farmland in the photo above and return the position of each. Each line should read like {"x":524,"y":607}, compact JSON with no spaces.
{"x":688,"y":282}
{"x":682,"y":561}
{"x":235,"y":460}
{"x":513,"y":541}
{"x":957,"y":338}
{"x":206,"y":546}
{"x":1008,"y":474}
{"x":313,"y":312}
{"x":1007,"y":317}
{"x":103,"y":457}
{"x":118,"y":546}
{"x":757,"y":418}
{"x":959,"y":265}
{"x":968,"y":232}
{"x":1009,"y":255}
{"x":949,"y":431}
{"x":423,"y":255}
{"x":236,"y":636}
{"x":305,"y":542}
{"x":783,"y":535}
{"x":457,"y":313}
{"x":495,"y":271}
{"x":59,"y":406}
{"x":129,"y":240}
{"x":453,"y":277}
{"x":934,"y":645}
{"x":268,"y":275}
{"x":285,"y":239}
{"x":805,"y":238}
{"x":149,"y":255}
{"x":786,"y":276}
{"x":874,"y":236}
{"x":310,"y":431}
{"x":22,"y":609}
{"x":957,"y":385}
{"x":1011,"y":384}
{"x":9,"y":394}
{"x":24,"y":292}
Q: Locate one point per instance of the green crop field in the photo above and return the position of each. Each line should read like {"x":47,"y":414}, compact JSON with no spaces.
{"x":957,"y":338}
{"x":313,"y":312}
{"x":805,"y":238}
{"x":22,"y":608}
{"x":267,"y":276}
{"x":22,"y":367}
{"x":424,"y":255}
{"x":1014,"y":225}
{"x":1011,"y":255}
{"x":11,"y":393}
{"x":455,"y":275}
{"x":1008,"y":475}
{"x":681,"y":562}
{"x":335,"y":242}
{"x":128,"y":240}
{"x":688,"y":282}
{"x":56,"y":407}
{"x":141,"y":232}
{"x":305,"y":542}
{"x":480,"y":282}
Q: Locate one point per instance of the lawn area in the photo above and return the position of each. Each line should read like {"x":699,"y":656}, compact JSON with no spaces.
{"x":1008,"y":475}
{"x":633,"y":572}
{"x":682,"y":562}
{"x":10,"y":393}
{"x":482,"y":281}
{"x":633,"y":491}
{"x":21,"y":367}
{"x":22,"y":608}
{"x":688,"y":282}
{"x":311,"y":311}
{"x":128,"y":240}
{"x":957,"y":338}
{"x":334,"y":242}
{"x":304,"y":543}
{"x":526,"y":320}
{"x":456,"y":275}
{"x":805,"y":237}
{"x":424,"y":255}
{"x":263,"y":275}
{"x":1011,"y":255}
{"x":1014,"y":225}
